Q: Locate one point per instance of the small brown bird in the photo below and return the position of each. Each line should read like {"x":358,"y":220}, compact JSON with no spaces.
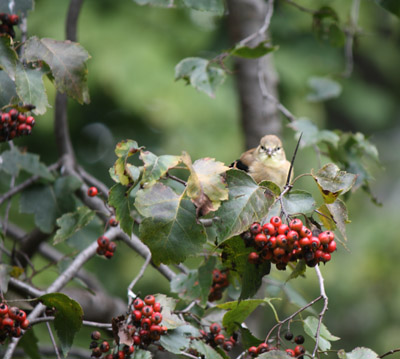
{"x":266,"y":162}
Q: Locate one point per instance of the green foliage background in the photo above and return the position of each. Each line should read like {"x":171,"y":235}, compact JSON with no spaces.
{"x":133,"y":95}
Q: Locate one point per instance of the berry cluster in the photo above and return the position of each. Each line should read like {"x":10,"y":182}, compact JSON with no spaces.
{"x":220,"y":282}
{"x":215,"y":338}
{"x":281,"y":243}
{"x":105,"y":247}
{"x":14,"y":124}
{"x":143,"y":325}
{"x":8,"y":21}
{"x":12,"y":322}
{"x":297,"y":352}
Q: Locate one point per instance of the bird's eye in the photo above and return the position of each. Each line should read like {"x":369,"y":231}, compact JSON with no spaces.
{"x":263,"y":148}
{"x":278,"y":148}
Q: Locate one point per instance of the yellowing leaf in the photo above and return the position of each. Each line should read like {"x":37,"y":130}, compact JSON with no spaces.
{"x":205,"y":187}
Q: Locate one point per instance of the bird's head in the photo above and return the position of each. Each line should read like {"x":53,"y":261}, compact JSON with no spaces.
{"x":270,"y":148}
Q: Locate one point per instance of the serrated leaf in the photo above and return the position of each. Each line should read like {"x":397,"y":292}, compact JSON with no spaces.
{"x":170,"y":320}
{"x":299,"y":270}
{"x":298,"y":201}
{"x":7,"y":90}
{"x":248,"y":339}
{"x":206,"y":278}
{"x":67,"y":61}
{"x":170,"y":229}
{"x":13,"y":161}
{"x":16,"y":7}
{"x":205,"y":349}
{"x":178,"y":339}
{"x":126,"y":148}
{"x":238,"y":312}
{"x":120,"y":199}
{"x":338,"y":211}
{"x":205,"y":186}
{"x":323,"y":88}
{"x":310,"y":325}
{"x":197,"y":72}
{"x":29,"y":343}
{"x":186,"y":285}
{"x":333,"y":182}
{"x":71,"y":223}
{"x":358,"y":353}
{"x":30,"y":88}
{"x":120,"y":173}
{"x":274,"y":354}
{"x":156,"y":167}
{"x":247,"y":52}
{"x":391,"y":5}
{"x":8,"y":57}
{"x":47,"y":203}
{"x":68,"y":317}
{"x":247,"y":203}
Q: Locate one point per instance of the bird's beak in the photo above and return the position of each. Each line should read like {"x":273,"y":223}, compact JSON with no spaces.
{"x":269,"y":151}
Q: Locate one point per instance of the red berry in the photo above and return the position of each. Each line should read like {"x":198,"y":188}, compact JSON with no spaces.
{"x":5,"y":118}
{"x":21,"y":316}
{"x":219,"y":339}
{"x":290,"y":352}
{"x":21,"y":118}
{"x":323,"y":238}
{"x":228,"y":345}
{"x":156,"y":317}
{"x":7,"y":323}
{"x":215,"y":328}
{"x":279,"y":252}
{"x":30,"y":120}
{"x":149,"y":299}
{"x":262,"y":348}
{"x":305,"y":242}
{"x":103,"y":241}
{"x":157,"y":307}
{"x":101,"y":251}
{"x":299,"y":339}
{"x":113,"y":222}
{"x":292,"y":236}
{"x":154,"y":328}
{"x":281,"y":240}
{"x":260,"y":240}
{"x":331,"y":247}
{"x":136,"y":340}
{"x":25,"y":324}
{"x":283,"y":229}
{"x":128,"y":349}
{"x":315,"y":243}
{"x":104,"y":347}
{"x":296,"y":224}
{"x":276,"y":221}
{"x":108,"y":254}
{"x":16,"y":332}
{"x":92,"y":191}
{"x":305,"y":232}
{"x":146,"y":323}
{"x":13,"y":19}
{"x":271,"y":243}
{"x":216,"y":274}
{"x":253,"y":351}
{"x":327,"y":257}
{"x":299,"y":350}
{"x":120,"y":354}
{"x":13,"y":114}
{"x":255,"y":228}
{"x":147,"y":310}
{"x":111,"y":247}
{"x":253,"y":257}
{"x":13,"y":312}
{"x":3,"y":309}
{"x":137,"y":315}
{"x":164,"y":330}
{"x":319,"y":255}
{"x":138,"y":304}
{"x":269,"y":229}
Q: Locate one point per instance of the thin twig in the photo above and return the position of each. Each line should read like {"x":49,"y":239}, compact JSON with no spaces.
{"x":292,"y":161}
{"x":141,"y":272}
{"x":324,"y":308}
{"x":390,"y":352}
{"x":177,"y":179}
{"x":53,"y":341}
{"x":301,"y":8}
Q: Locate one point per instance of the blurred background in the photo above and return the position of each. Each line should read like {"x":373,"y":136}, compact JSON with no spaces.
{"x":134,"y":51}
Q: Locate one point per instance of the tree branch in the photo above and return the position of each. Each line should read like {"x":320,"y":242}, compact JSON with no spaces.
{"x":324,"y":308}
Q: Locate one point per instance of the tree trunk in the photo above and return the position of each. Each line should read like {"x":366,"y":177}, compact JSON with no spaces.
{"x":259,"y":116}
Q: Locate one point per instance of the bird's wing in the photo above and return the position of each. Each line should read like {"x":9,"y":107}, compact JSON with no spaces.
{"x":245,"y":160}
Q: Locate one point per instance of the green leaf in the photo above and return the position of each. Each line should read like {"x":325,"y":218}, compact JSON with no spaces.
{"x":298,"y":201}
{"x":29,"y":343}
{"x":8,"y":57}
{"x":178,"y":339}
{"x":247,"y":203}
{"x":68,"y":317}
{"x":47,"y":203}
{"x":30,"y":88}
{"x":248,"y":339}
{"x":187,"y":285}
{"x":215,"y":6}
{"x":238,"y":312}
{"x":170,"y":320}
{"x":310,"y":325}
{"x":391,"y":5}
{"x":120,"y":199}
{"x":12,"y":161}
{"x":332,"y":181}
{"x":18,"y":6}
{"x":338,"y":211}
{"x":156,"y":167}
{"x":162,"y":3}
{"x":326,"y":26}
{"x":206,"y":278}
{"x":323,"y":88}
{"x":205,"y":186}
{"x":67,"y":61}
{"x":142,"y":354}
{"x":71,"y":223}
{"x":299,"y":270}
{"x":197,"y":72}
{"x":252,"y":278}
{"x":170,"y":229}
{"x":126,"y":148}
{"x":358,"y":353}
{"x":247,"y":52}
{"x":274,"y":354}
{"x":7,"y":89}
{"x":206,"y":350}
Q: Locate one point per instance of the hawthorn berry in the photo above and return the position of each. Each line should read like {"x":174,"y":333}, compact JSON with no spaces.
{"x":156,"y":317}
{"x":253,"y":257}
{"x":149,"y":299}
{"x":288,"y":335}
{"x":260,"y":240}
{"x":290,"y":352}
{"x":283,"y":229}
{"x":276,"y":221}
{"x":269,"y":229}
{"x":299,"y":350}
{"x":215,"y":328}
{"x":92,"y":191}
{"x":25,"y":324}
{"x":299,"y":339}
{"x":95,"y":335}
{"x":255,"y":228}
{"x":262,"y":348}
{"x":103,"y":241}
{"x":296,"y":224}
{"x":331,"y":247}
{"x":157,"y":307}
{"x":113,"y":222}
{"x":253,"y":351}
{"x":3,"y":309}
{"x":138,"y":304}
{"x":228,"y":345}
{"x":104,"y":346}
{"x":219,"y":339}
{"x":147,"y":310}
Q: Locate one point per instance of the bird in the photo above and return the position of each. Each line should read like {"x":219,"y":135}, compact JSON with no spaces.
{"x":267,"y":162}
